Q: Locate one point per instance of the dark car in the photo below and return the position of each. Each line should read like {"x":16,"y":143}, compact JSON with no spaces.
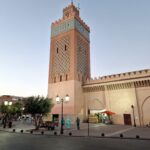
{"x":48,"y":124}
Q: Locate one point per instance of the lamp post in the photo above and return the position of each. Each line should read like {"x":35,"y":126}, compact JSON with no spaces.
{"x":7,"y":104}
{"x":88,"y":121}
{"x":62,"y":100}
{"x":22,"y":109}
{"x":132,"y":106}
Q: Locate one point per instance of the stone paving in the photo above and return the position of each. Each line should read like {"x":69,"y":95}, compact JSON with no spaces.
{"x":95,"y":130}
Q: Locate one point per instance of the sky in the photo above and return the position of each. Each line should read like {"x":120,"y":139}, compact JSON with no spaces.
{"x":119,"y":40}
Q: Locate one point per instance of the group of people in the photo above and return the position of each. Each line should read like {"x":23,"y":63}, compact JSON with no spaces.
{"x":67,"y":123}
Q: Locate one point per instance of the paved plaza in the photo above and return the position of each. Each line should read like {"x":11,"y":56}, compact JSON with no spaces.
{"x":95,"y":130}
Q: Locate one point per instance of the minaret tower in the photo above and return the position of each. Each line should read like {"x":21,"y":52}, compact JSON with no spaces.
{"x":69,"y":60}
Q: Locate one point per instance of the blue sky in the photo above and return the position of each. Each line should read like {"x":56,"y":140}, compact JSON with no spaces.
{"x":120,"y":40}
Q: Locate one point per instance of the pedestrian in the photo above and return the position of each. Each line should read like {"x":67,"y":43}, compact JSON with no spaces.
{"x":78,"y":123}
{"x":68,"y":123}
{"x":62,"y":122}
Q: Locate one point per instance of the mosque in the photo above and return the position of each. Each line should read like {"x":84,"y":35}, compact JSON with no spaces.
{"x":126,"y":95}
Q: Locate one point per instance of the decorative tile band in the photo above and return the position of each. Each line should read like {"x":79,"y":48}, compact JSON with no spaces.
{"x":67,"y":26}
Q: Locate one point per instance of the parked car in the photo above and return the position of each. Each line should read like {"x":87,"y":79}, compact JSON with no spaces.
{"x":48,"y":124}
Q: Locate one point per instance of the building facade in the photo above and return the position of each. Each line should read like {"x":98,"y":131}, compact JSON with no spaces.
{"x":126,"y":94}
{"x":11,"y":98}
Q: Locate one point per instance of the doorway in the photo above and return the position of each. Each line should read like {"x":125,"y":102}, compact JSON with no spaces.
{"x":127,"y":119}
{"x":145,"y":111}
{"x":55,"y":119}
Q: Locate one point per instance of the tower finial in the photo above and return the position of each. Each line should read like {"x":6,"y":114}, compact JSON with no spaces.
{"x":71,"y":1}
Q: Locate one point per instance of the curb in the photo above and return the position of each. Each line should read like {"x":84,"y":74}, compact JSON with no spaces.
{"x":137,"y":137}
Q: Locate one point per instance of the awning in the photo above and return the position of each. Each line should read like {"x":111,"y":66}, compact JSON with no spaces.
{"x":108,"y":112}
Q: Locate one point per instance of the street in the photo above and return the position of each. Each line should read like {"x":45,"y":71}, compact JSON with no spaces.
{"x":18,"y":141}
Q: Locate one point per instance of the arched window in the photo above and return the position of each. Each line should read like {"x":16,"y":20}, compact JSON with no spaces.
{"x":54,"y":79}
{"x":78,"y":77}
{"x":65,"y":47}
{"x":66,"y":77}
{"x":67,"y":14}
{"x":60,"y":78}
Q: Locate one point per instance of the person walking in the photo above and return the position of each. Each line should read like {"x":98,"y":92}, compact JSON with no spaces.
{"x":62,"y":122}
{"x":78,"y":123}
{"x":68,"y":123}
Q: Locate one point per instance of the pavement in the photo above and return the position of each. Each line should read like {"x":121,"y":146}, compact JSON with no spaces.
{"x":95,"y":130}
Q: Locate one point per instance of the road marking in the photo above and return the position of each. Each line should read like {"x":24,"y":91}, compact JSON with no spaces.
{"x":120,"y":131}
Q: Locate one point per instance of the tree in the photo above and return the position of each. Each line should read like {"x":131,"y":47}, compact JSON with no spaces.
{"x":38,"y":107}
{"x":9,"y":111}
{"x":5,"y":114}
{"x":17,"y":109}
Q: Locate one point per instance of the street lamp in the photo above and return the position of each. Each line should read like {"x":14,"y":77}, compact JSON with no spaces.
{"x":132,"y":106}
{"x":62,"y":100}
{"x":88,"y":121}
{"x":7,"y":103}
{"x":22,"y":110}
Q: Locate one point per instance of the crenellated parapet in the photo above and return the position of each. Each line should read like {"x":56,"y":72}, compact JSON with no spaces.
{"x":136,"y":79}
{"x":70,"y":10}
{"x":83,"y":23}
{"x":59,"y":78}
{"x":59,"y":21}
{"x":119,"y":77}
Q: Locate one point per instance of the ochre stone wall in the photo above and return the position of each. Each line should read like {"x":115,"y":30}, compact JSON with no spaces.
{"x":143,"y":97}
{"x":120,"y":95}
